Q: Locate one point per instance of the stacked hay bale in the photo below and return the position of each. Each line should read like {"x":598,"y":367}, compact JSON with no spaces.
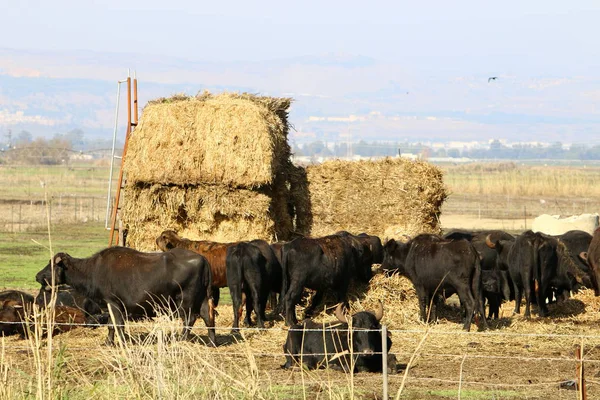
{"x":386,"y":197}
{"x":210,"y":167}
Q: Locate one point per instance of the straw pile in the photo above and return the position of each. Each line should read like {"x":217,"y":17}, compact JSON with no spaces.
{"x":386,"y":197}
{"x":209,"y":167}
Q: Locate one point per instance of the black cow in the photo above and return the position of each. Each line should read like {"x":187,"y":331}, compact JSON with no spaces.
{"x":495,"y":280}
{"x":69,"y":297}
{"x":577,"y":242}
{"x":132,"y":282}
{"x":364,"y":258}
{"x":247,"y":273}
{"x":316,"y":345}
{"x":375,"y":246}
{"x":433,"y":264}
{"x":17,"y":296}
{"x":273,"y":268}
{"x":592,"y":258}
{"x":322,"y":264}
{"x":521,"y":260}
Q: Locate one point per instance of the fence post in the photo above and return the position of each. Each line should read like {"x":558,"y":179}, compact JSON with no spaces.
{"x":20,"y":221}
{"x":384,"y":361}
{"x":92,"y":208}
{"x":581,"y":390}
{"x":525,"y":216}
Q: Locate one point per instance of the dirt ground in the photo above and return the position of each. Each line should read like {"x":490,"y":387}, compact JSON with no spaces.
{"x":464,"y":221}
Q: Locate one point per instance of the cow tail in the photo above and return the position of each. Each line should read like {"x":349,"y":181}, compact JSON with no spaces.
{"x":209,"y":292}
{"x":537,"y":274}
{"x":478,"y":289}
{"x":284,"y":280}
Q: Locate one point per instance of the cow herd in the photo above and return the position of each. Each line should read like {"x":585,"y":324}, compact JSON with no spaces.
{"x":119,"y":283}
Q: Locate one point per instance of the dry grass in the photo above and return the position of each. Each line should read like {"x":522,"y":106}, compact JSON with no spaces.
{"x":521,"y":180}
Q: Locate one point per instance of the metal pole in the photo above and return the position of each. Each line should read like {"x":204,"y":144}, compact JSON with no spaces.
{"x":120,"y":183}
{"x":112,"y":155}
{"x":384,"y":362}
{"x":135,"y":100}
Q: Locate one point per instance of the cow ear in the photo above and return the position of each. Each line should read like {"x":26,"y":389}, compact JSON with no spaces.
{"x":584,"y":256}
{"x":57,"y":259}
{"x":340,"y":314}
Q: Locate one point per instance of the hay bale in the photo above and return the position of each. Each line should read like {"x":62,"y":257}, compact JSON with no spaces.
{"x":208,"y":212}
{"x":390,"y":195}
{"x":239,"y":140}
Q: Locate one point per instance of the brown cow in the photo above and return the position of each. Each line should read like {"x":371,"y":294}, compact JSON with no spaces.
{"x":214,"y":252}
{"x":13,"y":317}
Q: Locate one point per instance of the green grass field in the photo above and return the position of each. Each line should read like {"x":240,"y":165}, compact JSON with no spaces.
{"x":23,"y":254}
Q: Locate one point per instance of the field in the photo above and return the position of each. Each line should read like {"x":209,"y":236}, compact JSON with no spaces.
{"x":516,"y":358}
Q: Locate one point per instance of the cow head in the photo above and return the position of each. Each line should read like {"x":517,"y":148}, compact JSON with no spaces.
{"x":585,"y":258}
{"x":167,"y":240}
{"x":59,"y":263}
{"x":394,"y":256}
{"x":366,"y":337}
{"x":502,"y":247}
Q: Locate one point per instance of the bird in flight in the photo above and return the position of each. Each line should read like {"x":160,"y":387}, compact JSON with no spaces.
{"x":492,"y":78}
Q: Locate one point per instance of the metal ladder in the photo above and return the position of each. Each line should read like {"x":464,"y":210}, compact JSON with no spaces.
{"x":131,"y":124}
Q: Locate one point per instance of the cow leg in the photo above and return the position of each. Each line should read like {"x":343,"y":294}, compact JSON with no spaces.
{"x":117,"y":313}
{"x":505,"y":285}
{"x":188,"y":322}
{"x":494,"y":300}
{"x":518,"y":298}
{"x":259,"y":306}
{"x":249,"y":302}
{"x":423,"y":301}
{"x":468,"y":302}
{"x":314,"y":302}
{"x":292,"y":297}
{"x":235,"y":290}
{"x":209,"y":321}
{"x":541,"y":294}
{"x":527,"y":290}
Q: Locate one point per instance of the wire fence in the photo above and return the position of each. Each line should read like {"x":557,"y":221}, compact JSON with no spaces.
{"x":73,"y":188}
{"x":488,"y":367}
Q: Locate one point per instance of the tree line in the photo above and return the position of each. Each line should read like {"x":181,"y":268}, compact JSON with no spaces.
{"x":23,"y":148}
{"x":495,"y":150}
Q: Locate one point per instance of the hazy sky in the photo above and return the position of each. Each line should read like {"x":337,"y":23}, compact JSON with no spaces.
{"x":341,"y":60}
{"x":551,"y":37}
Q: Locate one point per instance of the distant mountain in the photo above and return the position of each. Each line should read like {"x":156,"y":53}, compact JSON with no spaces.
{"x":338,"y":97}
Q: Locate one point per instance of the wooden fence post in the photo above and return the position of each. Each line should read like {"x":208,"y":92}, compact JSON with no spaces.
{"x":581,"y":390}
